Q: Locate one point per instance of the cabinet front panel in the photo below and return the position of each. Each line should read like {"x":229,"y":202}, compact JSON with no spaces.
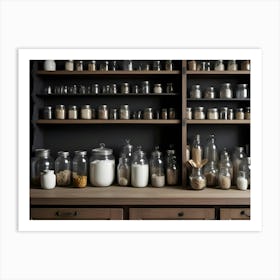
{"x":235,"y":213}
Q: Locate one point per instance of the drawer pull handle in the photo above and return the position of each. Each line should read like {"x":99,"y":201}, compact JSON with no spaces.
{"x":180,"y":214}
{"x":243,"y":213}
{"x":66,"y":214}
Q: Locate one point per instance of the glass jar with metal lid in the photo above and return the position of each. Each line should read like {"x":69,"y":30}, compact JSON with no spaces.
{"x":164,"y":114}
{"x":157,"y":88}
{"x":219,"y":65}
{"x":168,"y":65}
{"x":35,"y":174}
{"x":224,"y":113}
{"x":230,"y":114}
{"x":199,"y":113}
{"x":47,"y":113}
{"x":86,"y":113}
{"x":80,"y":169}
{"x":245,"y":65}
{"x":189,"y":113}
{"x":156,"y":65}
{"x":79,"y":65}
{"x":146,"y":87}
{"x":69,"y":65}
{"x":226,"y":91}
{"x":247,"y":113}
{"x":72,"y":112}
{"x":242,"y":91}
{"x":124,"y":112}
{"x":60,"y":112}
{"x":232,"y":65}
{"x":210,"y":93}
{"x":113,"y":114}
{"x":212,"y":114}
{"x":239,"y":114}
{"x":92,"y":65}
{"x":63,"y":169}
{"x":103,"y":112}
{"x":148,"y":114}
{"x":125,"y":88}
{"x":195,"y":92}
{"x":102,"y":167}
{"x":157,"y":169}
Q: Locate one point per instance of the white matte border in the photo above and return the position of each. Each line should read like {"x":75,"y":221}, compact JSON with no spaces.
{"x":24,"y":57}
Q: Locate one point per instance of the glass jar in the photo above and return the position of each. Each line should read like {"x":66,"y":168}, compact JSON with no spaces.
{"x":103,"y":112}
{"x":168,"y":65}
{"x":60,"y":112}
{"x":113,"y":89}
{"x":124,"y":112}
{"x":226,"y":91}
{"x":224,"y":179}
{"x":148,"y":114}
{"x":199,"y":113}
{"x":242,"y":181}
{"x":47,"y":113}
{"x":169,"y":88}
{"x":47,"y":179}
{"x":82,"y":89}
{"x":201,"y":66}
{"x":114,"y":65}
{"x":192,"y":65}
{"x":195,"y":92}
{"x":247,"y":114}
{"x":146,"y":87}
{"x":164,"y":114}
{"x":245,"y":166}
{"x":171,"y":113}
{"x":232,"y":65}
{"x":80,"y":169}
{"x":157,"y":169}
{"x":210,"y":151}
{"x":197,"y":150}
{"x":93,"y":113}
{"x":172,"y":172}
{"x":219,"y":65}
{"x":102,"y":167}
{"x":72,"y":112}
{"x":211,"y":174}
{"x":224,"y":113}
{"x":139,"y":169}
{"x":63,"y":169}
{"x":208,"y":66}
{"x":95,"y":89}
{"x":92,"y":66}
{"x":124,"y":88}
{"x":225,"y":162}
{"x":197,"y":179}
{"x":156,"y":65}
{"x":86,"y":113}
{"x":79,"y":65}
{"x":113,"y":114}
{"x":35,"y":173}
{"x":242,"y":91}
{"x":209,"y":93}
{"x":230,"y":114}
{"x":49,"y":65}
{"x":69,"y":65}
{"x":238,"y":156}
{"x":157,"y":88}
{"x":127,"y":65}
{"x":189,"y":113}
{"x":123,"y":171}
{"x":239,"y":114}
{"x":104,"y":66}
{"x":135,"y":89}
{"x":245,"y":65}
{"x":212,"y":114}
{"x":127,"y":150}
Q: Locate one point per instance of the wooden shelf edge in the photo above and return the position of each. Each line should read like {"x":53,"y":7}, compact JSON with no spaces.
{"x":218,"y":121}
{"x":104,"y":95}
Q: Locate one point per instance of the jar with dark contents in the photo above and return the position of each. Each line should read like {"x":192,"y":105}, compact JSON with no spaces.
{"x":224,"y":113}
{"x":164,"y":114}
{"x":230,"y":114}
{"x":113,"y":114}
{"x":169,"y":88}
{"x":247,"y":113}
{"x":156,"y":65}
{"x":169,"y":65}
{"x":79,"y":65}
{"x":171,"y":114}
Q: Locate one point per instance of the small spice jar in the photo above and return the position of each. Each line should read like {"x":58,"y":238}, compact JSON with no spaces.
{"x":103,"y":112}
{"x":209,"y":93}
{"x":164,"y":114}
{"x":169,"y":65}
{"x":219,"y":65}
{"x":212,"y":114}
{"x":95,"y":89}
{"x":104,"y":66}
{"x":148,"y":114}
{"x":189,"y":113}
{"x":171,"y":114}
{"x":146,"y":87}
{"x":92,"y":66}
{"x":60,"y":112}
{"x":195,"y":92}
{"x":86,"y":113}
{"x":72,"y":112}
{"x":156,"y":65}
{"x":69,"y":65}
{"x":199,"y":113}
{"x":224,"y":113}
{"x":245,"y":65}
{"x":47,"y":113}
{"x":113,"y":114}
{"x":124,"y":88}
{"x":239,"y":114}
{"x":113,"y":89}
{"x":230,"y":114}
{"x":201,"y":66}
{"x":169,"y":88}
{"x":157,"y":88}
{"x":79,"y":65}
{"x":135,"y":89}
{"x":232,"y":65}
{"x":226,"y":91}
{"x":192,"y":65}
{"x":247,"y":113}
{"x":124,"y":112}
{"x":114,"y":65}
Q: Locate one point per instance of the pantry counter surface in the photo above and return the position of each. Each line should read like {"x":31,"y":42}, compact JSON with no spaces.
{"x":116,"y":195}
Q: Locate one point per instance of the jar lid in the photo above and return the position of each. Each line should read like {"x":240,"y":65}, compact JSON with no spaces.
{"x":199,"y":108}
{"x":212,"y":110}
{"x":62,"y":153}
{"x":226,"y":84}
{"x":189,"y":109}
{"x":102,"y":150}
{"x":60,"y":106}
{"x":157,"y":85}
{"x":87,"y":106}
{"x":195,"y":86}
{"x":80,"y":153}
{"x":146,"y":82}
{"x":40,"y":152}
{"x":239,"y":109}
{"x":242,"y":85}
{"x":224,"y":108}
{"x":73,"y":107}
{"x":48,"y":107}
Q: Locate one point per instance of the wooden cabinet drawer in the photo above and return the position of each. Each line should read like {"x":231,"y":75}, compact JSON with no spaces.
{"x":76,"y":213}
{"x":171,"y":213}
{"x":235,"y":213}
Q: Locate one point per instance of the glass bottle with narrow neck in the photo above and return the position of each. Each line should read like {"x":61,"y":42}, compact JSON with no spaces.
{"x":197,"y":150}
{"x":210,"y":152}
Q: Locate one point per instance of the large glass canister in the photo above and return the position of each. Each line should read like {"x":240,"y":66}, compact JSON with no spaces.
{"x":197,"y":179}
{"x":123,"y":171}
{"x":210,"y":151}
{"x":80,"y":169}
{"x":211,"y":174}
{"x":102,"y":167}
{"x":197,"y":150}
{"x":157,"y":169}
{"x":139,"y":169}
{"x":226,"y":91}
{"x":63,"y":169}
{"x":238,"y":156}
{"x":35,"y":174}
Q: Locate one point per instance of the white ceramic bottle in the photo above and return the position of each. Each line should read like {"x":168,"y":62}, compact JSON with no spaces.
{"x":48,"y":179}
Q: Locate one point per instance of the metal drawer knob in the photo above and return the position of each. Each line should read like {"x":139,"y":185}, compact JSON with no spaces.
{"x":243,"y":213}
{"x":180,"y":214}
{"x":66,"y":214}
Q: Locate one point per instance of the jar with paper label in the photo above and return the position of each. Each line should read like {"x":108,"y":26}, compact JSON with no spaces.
{"x":197,"y":179}
{"x":125,"y":112}
{"x":242,"y":91}
{"x":157,"y":169}
{"x":157,"y":88}
{"x":102,"y":167}
{"x":211,"y":174}
{"x":92,"y":66}
{"x":188,"y":113}
{"x":139,"y":169}
{"x":80,"y":169}
{"x":123,"y":171}
{"x":226,"y":91}
{"x":219,"y":65}
{"x":239,"y":114}
{"x":72,"y":113}
{"x":195,"y":92}
{"x":212,"y":114}
{"x":238,"y":156}
{"x":63,"y":169}
{"x":69,"y":65}
{"x":224,"y":179}
{"x":103,"y":112}
{"x":232,"y":65}
{"x":199,"y":113}
{"x":79,"y":65}
{"x":210,"y":93}
{"x":60,"y":112}
{"x":86,"y":113}
{"x":247,"y":113}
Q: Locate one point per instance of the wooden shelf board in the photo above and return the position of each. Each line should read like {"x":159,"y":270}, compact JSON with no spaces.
{"x":217,"y":99}
{"x":218,"y":121}
{"x":212,"y":72}
{"x":118,"y":72}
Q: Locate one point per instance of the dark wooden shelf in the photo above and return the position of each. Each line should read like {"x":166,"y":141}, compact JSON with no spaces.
{"x":118,"y":72}
{"x":218,"y":121}
{"x":218,"y":99}
{"x":212,"y":72}
{"x":108,"y":121}
{"x":106,"y":94}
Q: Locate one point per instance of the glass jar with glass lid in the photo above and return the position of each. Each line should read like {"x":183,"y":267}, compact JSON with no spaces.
{"x":63,"y":169}
{"x":157,"y":169}
{"x":199,"y":113}
{"x":226,"y":91}
{"x":80,"y":169}
{"x":232,"y":65}
{"x":195,"y":92}
{"x":210,"y":93}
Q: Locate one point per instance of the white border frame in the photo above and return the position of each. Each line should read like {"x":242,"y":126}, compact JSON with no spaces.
{"x":24,"y":57}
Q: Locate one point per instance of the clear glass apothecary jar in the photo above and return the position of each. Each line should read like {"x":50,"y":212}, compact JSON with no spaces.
{"x":226,"y":91}
{"x":80,"y":169}
{"x":219,"y":65}
{"x":63,"y":169}
{"x":35,"y":173}
{"x":242,"y":91}
{"x":172,"y":169}
{"x":195,"y":92}
{"x":211,"y":174}
{"x":157,"y":169}
{"x":224,"y":178}
{"x":210,"y":93}
{"x":197,"y":179}
{"x":232,"y":65}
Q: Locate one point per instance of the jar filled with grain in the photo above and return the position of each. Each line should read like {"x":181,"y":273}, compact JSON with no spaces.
{"x":239,"y":114}
{"x":157,"y":169}
{"x":192,"y":65}
{"x":86,"y":113}
{"x":157,"y":88}
{"x":197,"y":150}
{"x":224,"y":179}
{"x":226,"y":91}
{"x":79,"y":65}
{"x":247,"y":113}
{"x":80,"y":169}
{"x":210,"y":93}
{"x":195,"y":92}
{"x":103,"y":112}
{"x":63,"y":169}
{"x":92,"y":66}
{"x":219,"y":65}
{"x":60,"y":112}
{"x":197,"y":179}
{"x":72,"y":113}
{"x":69,"y":65}
{"x":211,"y":174}
{"x":199,"y":113}
{"x":232,"y":65}
{"x":212,"y":114}
{"x":148,"y":114}
{"x":124,"y":112}
{"x":172,"y":171}
{"x":189,"y":113}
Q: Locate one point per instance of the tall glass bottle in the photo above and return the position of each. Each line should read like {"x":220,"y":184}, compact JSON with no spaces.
{"x":225,"y":162}
{"x":238,"y":155}
{"x":210,"y":151}
{"x":127,"y":150}
{"x":123,"y":170}
{"x":157,"y":169}
{"x":197,"y":150}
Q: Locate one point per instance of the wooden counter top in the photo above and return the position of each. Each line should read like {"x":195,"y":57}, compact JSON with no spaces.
{"x":115,"y":195}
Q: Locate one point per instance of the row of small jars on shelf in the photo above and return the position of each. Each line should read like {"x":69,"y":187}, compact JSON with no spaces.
{"x":95,"y":65}
{"x":133,"y":168}
{"x":123,"y":88}
{"x":223,"y":113}
{"x":87,"y":112}
{"x":225,"y":91}
{"x":206,"y":169}
{"x":218,"y":65}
